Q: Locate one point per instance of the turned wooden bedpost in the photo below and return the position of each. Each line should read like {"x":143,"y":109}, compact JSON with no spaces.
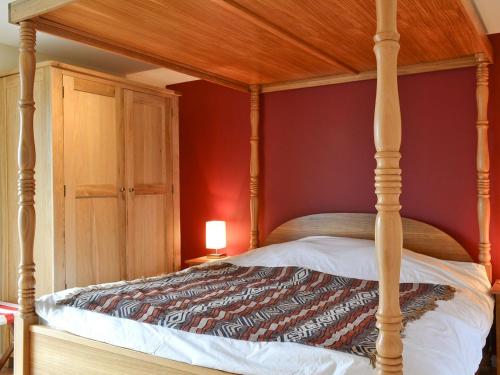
{"x":388,"y":227}
{"x":254,"y":166}
{"x":26,"y":194}
{"x":483,"y":163}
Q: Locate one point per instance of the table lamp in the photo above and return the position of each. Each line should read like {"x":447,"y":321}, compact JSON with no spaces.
{"x":216,"y":237}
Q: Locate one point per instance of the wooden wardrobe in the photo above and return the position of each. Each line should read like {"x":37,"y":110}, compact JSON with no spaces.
{"x":107,"y":179}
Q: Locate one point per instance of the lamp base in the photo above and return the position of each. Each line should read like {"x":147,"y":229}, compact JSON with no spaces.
{"x":216,"y":256}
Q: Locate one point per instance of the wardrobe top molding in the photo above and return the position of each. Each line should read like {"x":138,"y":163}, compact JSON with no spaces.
{"x":238,"y":43}
{"x":126,"y":83}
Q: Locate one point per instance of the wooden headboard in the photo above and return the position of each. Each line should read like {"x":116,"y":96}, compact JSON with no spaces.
{"x":417,"y":236}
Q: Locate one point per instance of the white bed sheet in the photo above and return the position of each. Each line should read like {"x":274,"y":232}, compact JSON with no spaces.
{"x":446,"y":341}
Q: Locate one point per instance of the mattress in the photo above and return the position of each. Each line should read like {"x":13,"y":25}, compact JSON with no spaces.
{"x":445,"y":341}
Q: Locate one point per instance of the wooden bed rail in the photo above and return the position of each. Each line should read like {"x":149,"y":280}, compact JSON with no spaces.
{"x":26,"y":193}
{"x":483,"y":163}
{"x":254,"y":165}
{"x":388,"y":225}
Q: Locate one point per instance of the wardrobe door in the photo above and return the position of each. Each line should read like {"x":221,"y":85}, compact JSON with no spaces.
{"x":93,"y":175}
{"x":149,"y":184}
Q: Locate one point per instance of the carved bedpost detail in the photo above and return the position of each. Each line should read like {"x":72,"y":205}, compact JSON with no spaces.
{"x":483,"y":163}
{"x":26,"y":194}
{"x":254,"y":166}
{"x":388,"y":226}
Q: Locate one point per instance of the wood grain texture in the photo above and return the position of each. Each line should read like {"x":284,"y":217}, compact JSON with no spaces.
{"x":54,"y":352}
{"x":25,"y":9}
{"x":176,"y":215}
{"x":186,"y":36}
{"x":49,"y":141}
{"x":244,"y":13}
{"x":44,"y":204}
{"x":96,"y":191}
{"x":4,"y":227}
{"x":388,"y":226}
{"x":483,"y":164}
{"x":344,"y":28}
{"x":4,"y":200}
{"x":57,"y":160}
{"x":477,"y":24}
{"x":93,"y":174}
{"x":26,"y":193}
{"x":199,"y":260}
{"x":49,"y":247}
{"x":93,"y":87}
{"x":266,"y":41}
{"x":254,"y":165}
{"x":7,"y":352}
{"x":49,"y":231}
{"x":105,"y":78}
{"x":189,"y":32}
{"x":152,"y":58}
{"x":463,"y":62}
{"x":418,"y":236}
{"x":150,"y":192}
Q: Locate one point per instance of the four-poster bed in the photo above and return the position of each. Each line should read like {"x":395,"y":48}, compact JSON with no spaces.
{"x":186,"y":36}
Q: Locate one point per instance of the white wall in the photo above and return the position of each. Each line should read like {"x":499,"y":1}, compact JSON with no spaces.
{"x":9,"y":56}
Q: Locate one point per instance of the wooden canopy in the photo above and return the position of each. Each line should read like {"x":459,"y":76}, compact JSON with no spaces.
{"x":242,"y":42}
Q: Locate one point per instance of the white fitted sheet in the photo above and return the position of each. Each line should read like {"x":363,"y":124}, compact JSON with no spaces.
{"x":446,"y":341}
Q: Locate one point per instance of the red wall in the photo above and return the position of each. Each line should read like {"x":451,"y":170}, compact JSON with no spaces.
{"x":214,"y":162}
{"x":318,"y":151}
{"x":317,"y":155}
{"x":494,"y":115}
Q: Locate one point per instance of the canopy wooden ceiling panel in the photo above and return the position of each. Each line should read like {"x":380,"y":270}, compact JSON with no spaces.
{"x":430,"y":30}
{"x":242,"y":42}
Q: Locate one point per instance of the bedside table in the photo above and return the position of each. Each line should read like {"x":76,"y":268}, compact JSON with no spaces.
{"x":495,"y":290}
{"x":201,"y":260}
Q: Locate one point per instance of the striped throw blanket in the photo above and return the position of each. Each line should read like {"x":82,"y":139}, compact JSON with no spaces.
{"x":7,"y":313}
{"x":272,"y":304}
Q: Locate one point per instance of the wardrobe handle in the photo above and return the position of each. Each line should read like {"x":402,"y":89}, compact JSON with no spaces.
{"x":122,"y":190}
{"x":131,"y":190}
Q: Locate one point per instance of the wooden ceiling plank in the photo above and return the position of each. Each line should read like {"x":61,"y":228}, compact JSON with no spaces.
{"x":260,"y":50}
{"x":197,"y":33}
{"x":463,"y":62}
{"x":21,"y":10}
{"x":54,"y":28}
{"x":478,"y":25}
{"x":261,"y":22}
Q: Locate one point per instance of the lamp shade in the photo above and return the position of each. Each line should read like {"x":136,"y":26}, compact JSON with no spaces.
{"x":216,"y":234}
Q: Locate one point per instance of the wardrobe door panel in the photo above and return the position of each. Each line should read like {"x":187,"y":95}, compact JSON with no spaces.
{"x":149,"y":182}
{"x":97,"y":252}
{"x":93,"y":175}
{"x":149,"y":236}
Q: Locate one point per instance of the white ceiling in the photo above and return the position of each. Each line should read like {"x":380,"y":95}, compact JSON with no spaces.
{"x":79,"y":54}
{"x":490,"y":13}
{"x":160,"y":77}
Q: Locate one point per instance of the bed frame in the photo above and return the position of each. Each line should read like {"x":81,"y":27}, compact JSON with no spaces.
{"x":55,"y":351}
{"x":418,"y":236}
{"x":273,"y":52}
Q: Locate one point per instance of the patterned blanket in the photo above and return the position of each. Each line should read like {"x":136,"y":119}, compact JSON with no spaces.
{"x":285,"y":304}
